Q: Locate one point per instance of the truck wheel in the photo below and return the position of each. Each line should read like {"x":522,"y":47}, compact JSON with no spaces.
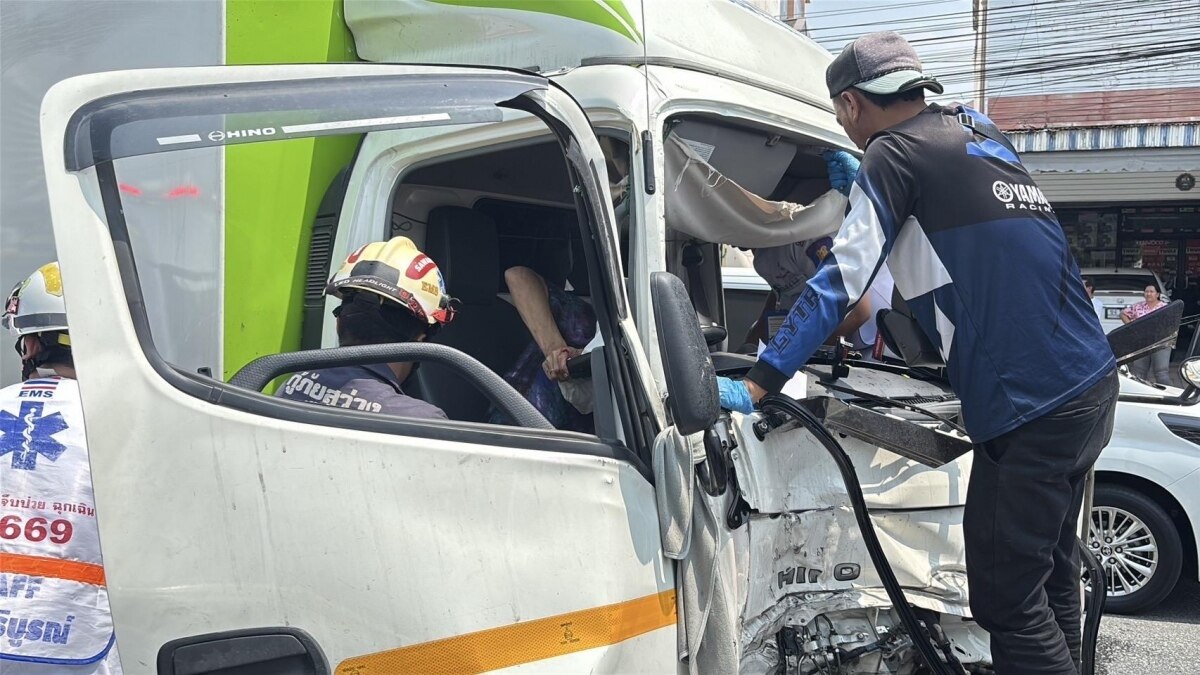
{"x":1138,"y":545}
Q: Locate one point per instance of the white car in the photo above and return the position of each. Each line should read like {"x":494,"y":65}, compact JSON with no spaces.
{"x":1146,"y":508}
{"x":1118,"y":288}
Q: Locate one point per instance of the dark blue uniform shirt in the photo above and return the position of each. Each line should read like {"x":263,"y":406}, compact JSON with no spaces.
{"x":978,"y":254}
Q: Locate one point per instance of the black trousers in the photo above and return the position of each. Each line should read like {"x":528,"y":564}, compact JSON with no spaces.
{"x":1020,"y":526}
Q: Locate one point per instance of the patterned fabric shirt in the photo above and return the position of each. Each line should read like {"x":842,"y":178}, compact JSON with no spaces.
{"x":576,"y":321}
{"x":1143,"y":308}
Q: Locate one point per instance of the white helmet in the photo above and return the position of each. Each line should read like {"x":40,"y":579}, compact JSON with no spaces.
{"x":36,"y":304}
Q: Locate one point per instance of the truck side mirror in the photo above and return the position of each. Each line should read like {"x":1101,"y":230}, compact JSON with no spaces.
{"x":691,"y":380}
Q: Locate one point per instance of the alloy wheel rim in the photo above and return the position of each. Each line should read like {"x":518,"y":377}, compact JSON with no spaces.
{"x":1125,"y":547}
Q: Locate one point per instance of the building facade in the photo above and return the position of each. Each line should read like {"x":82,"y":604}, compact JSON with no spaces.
{"x":1120,"y":168}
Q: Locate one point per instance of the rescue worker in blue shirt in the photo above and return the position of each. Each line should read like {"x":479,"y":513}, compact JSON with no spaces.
{"x":978,"y":254}
{"x":390,"y":292}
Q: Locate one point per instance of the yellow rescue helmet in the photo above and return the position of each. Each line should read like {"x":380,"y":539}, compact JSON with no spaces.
{"x":398,"y":271}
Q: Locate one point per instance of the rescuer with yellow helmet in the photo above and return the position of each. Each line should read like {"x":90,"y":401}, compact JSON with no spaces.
{"x":391,"y":292}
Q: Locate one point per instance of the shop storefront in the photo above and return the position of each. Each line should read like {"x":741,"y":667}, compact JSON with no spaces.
{"x":1161,"y":237}
{"x":1125,"y":194}
{"x":1120,"y":167}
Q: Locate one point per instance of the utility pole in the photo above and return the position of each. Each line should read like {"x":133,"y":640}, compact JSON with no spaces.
{"x":979,"y":22}
{"x":793,"y":12}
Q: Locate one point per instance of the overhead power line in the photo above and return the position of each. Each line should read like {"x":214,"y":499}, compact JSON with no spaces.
{"x":1034,"y":44}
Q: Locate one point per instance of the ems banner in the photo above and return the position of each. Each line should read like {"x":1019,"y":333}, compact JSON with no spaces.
{"x":53,"y":601}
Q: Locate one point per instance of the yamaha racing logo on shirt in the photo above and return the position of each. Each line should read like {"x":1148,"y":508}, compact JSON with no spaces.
{"x":1021,"y":197}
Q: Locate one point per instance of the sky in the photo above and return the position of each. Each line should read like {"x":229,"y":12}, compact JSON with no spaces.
{"x":1077,"y":45}
{"x":834,"y":23}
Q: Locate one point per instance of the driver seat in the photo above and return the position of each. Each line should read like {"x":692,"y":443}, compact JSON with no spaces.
{"x":465,"y":246}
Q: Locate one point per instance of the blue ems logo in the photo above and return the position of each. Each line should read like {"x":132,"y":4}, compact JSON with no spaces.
{"x":30,"y":435}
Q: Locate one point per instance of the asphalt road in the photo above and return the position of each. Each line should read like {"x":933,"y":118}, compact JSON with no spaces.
{"x":1164,"y":641}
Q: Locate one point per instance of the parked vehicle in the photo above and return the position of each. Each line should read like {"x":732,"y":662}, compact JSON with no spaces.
{"x":1146,"y":514}
{"x":1118,"y":288}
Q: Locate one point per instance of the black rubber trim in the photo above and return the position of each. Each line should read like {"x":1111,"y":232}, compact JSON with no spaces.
{"x":648,"y":161}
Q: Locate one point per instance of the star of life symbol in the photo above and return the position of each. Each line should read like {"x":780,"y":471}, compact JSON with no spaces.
{"x":30,"y":434}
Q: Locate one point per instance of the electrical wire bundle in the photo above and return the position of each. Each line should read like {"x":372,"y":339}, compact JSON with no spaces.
{"x":1033,"y":47}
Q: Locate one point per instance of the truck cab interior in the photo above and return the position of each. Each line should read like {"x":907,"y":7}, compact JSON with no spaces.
{"x":511,"y":205}
{"x":477,"y":216}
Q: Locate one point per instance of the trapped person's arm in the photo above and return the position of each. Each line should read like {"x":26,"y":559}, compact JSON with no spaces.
{"x":881,"y":200}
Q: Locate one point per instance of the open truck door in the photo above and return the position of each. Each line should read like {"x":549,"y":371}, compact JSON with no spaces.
{"x":244,"y":531}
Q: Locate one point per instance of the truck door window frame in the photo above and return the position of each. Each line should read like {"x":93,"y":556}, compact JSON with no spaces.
{"x":134,"y":122}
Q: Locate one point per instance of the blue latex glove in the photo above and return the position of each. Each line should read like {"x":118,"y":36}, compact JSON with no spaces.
{"x":734,"y":395}
{"x":843,"y":169}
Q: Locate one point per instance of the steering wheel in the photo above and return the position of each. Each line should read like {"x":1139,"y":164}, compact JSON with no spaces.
{"x":259,"y":372}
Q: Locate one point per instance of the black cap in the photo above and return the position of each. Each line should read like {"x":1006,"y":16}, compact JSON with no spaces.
{"x":879,"y":63}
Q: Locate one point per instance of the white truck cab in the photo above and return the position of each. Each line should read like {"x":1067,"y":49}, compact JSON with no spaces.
{"x":242,"y":530}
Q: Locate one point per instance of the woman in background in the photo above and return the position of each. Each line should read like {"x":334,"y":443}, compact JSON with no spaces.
{"x":1155,"y":366}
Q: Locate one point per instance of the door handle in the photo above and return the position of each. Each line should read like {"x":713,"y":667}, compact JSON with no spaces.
{"x":257,"y":651}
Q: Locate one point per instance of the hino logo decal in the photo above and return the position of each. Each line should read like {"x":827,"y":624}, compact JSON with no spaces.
{"x":812,"y":575}
{"x":1021,"y":196}
{"x":219,"y":135}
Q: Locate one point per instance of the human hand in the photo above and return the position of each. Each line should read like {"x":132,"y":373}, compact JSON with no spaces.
{"x":735,"y":395}
{"x":843,"y":169}
{"x":555,"y":365}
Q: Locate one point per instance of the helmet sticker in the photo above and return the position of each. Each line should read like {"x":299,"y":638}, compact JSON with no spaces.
{"x":419,"y":267}
{"x":52,"y":278}
{"x":353,"y":257}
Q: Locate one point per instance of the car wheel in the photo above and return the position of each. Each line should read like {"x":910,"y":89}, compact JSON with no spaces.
{"x":1138,"y":545}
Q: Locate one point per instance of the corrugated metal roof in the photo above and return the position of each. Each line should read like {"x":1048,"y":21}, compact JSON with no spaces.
{"x":1184,"y":135}
{"x":1104,"y":108}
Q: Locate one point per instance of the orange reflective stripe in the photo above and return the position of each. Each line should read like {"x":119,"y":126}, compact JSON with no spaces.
{"x":523,"y":642}
{"x":57,"y":568}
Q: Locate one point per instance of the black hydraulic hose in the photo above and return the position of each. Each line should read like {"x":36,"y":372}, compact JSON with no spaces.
{"x":920,"y":638}
{"x":1096,"y":598}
